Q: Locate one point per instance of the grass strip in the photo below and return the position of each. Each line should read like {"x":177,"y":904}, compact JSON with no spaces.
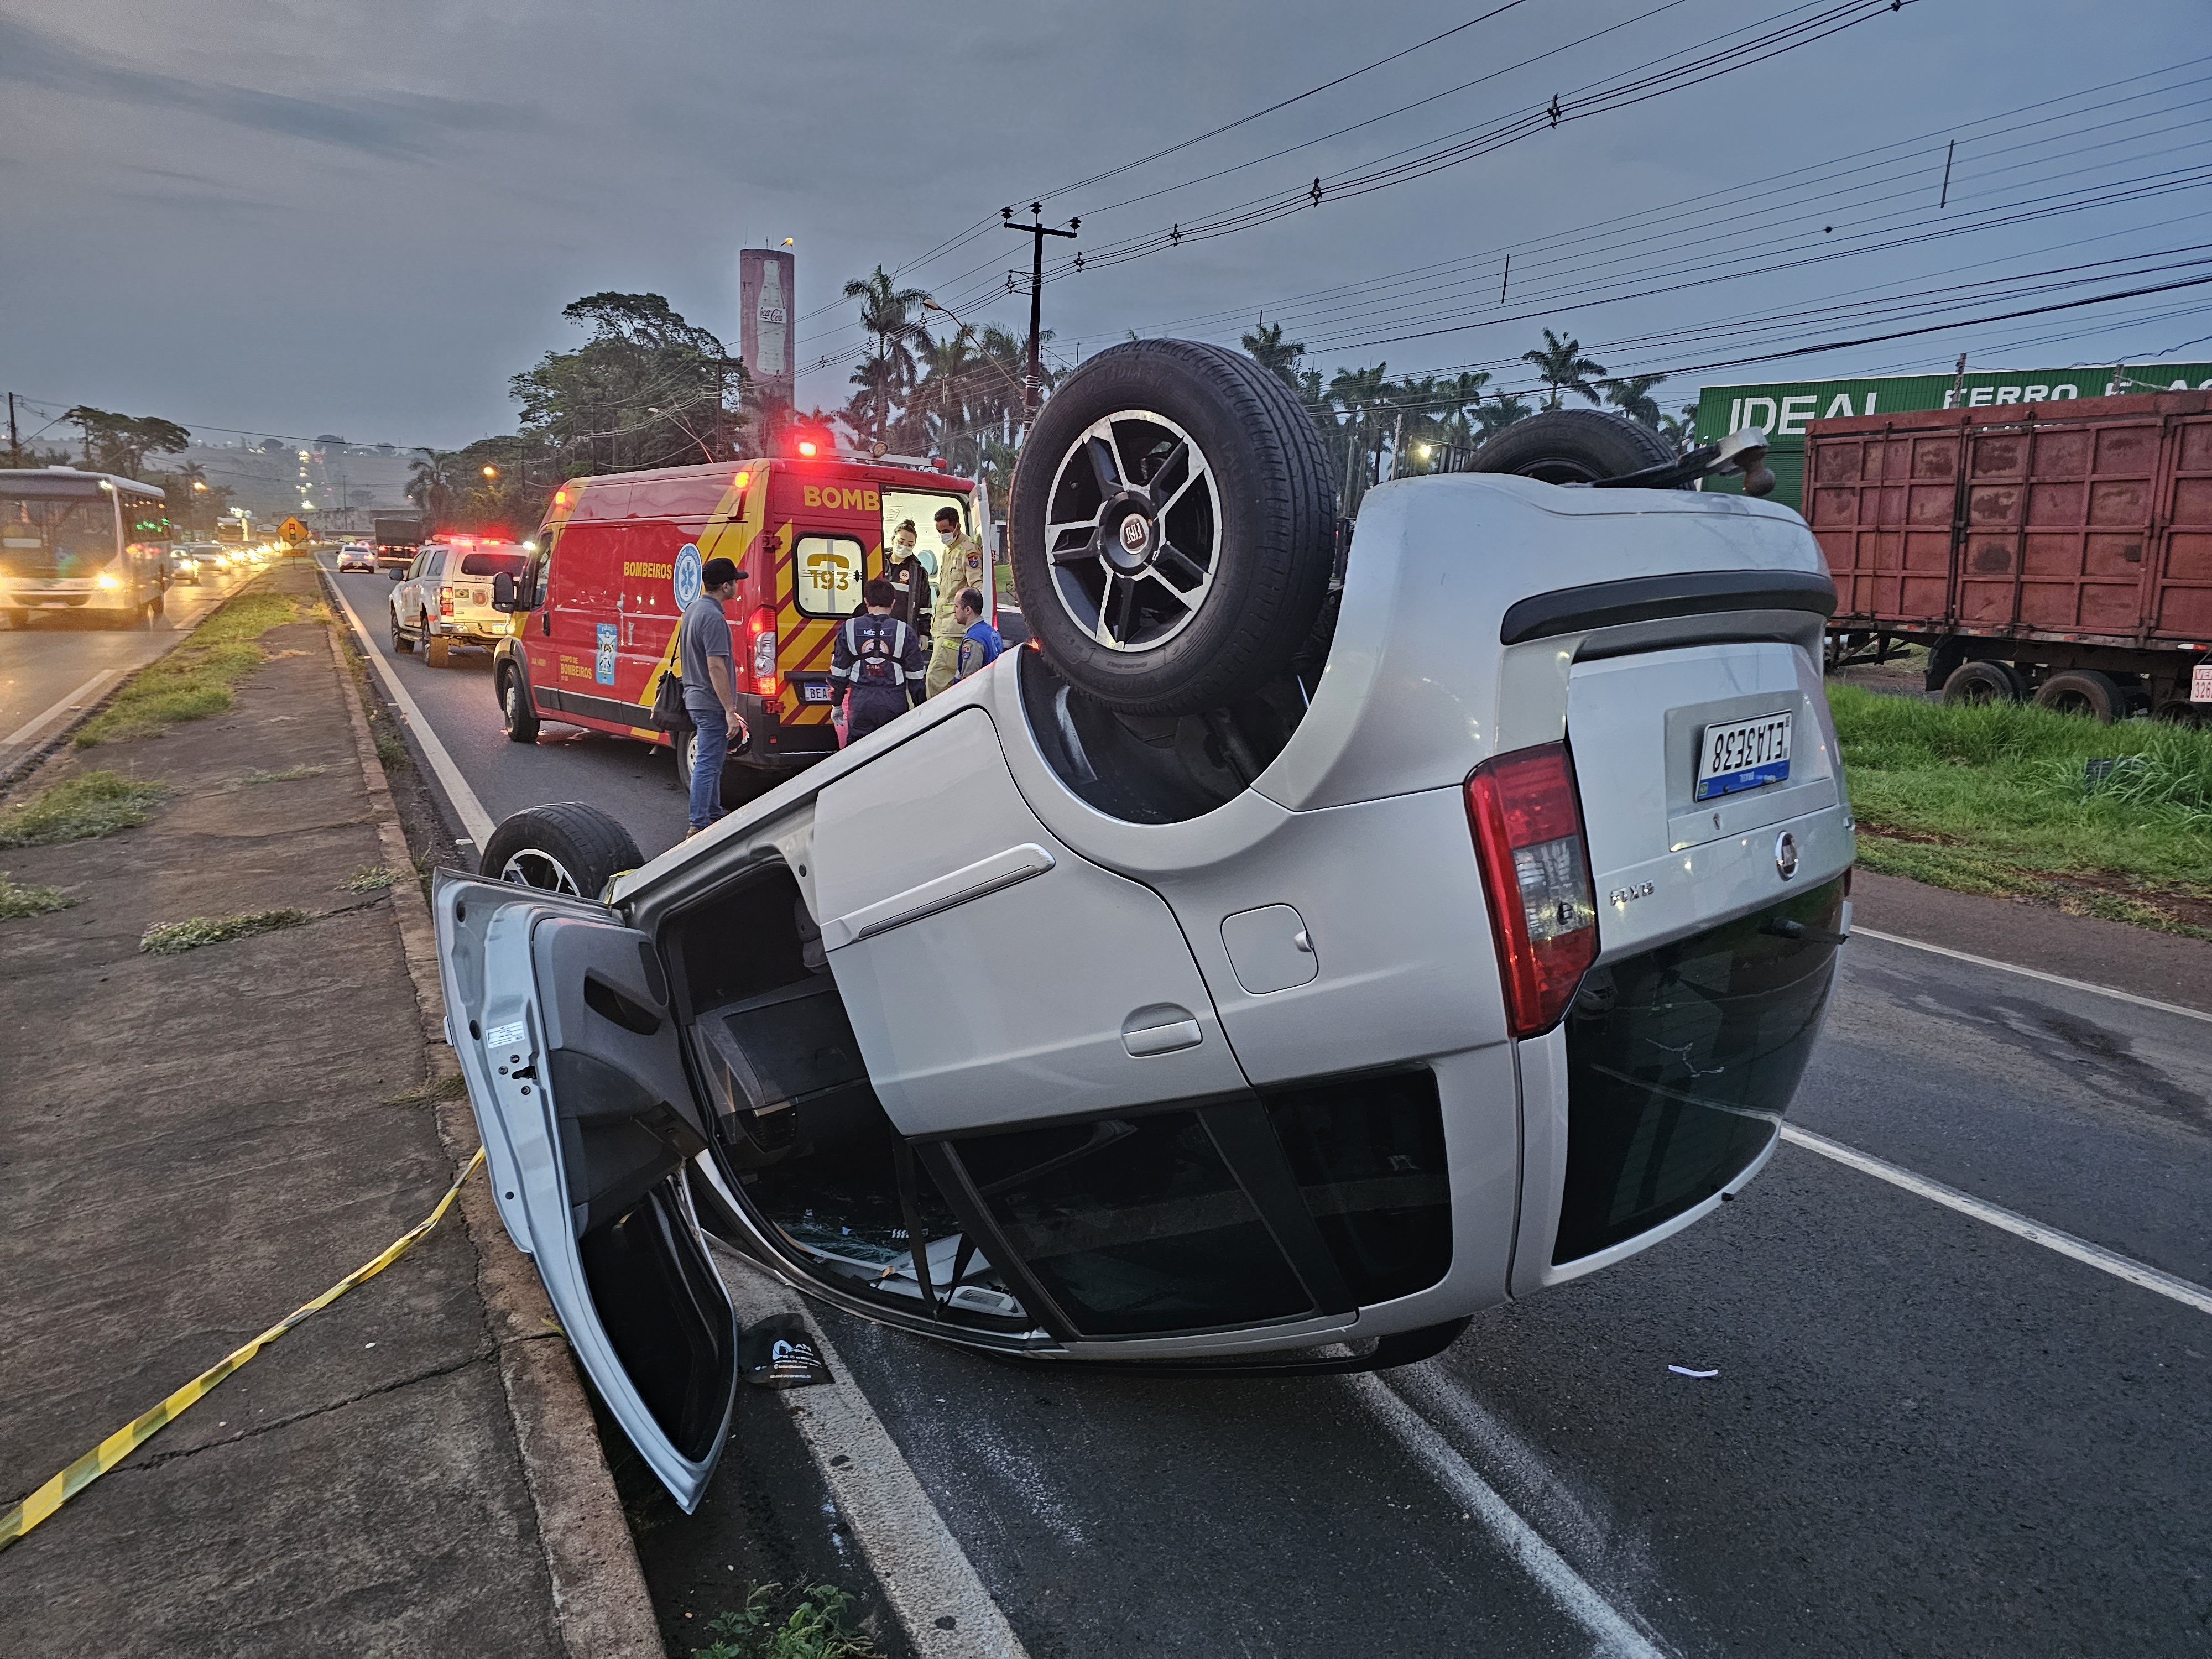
{"x":813,"y":1623}
{"x":1998,"y":799}
{"x":18,"y":901}
{"x":171,"y":938}
{"x":79,"y":808}
{"x":370,"y":879}
{"x":197,"y":679}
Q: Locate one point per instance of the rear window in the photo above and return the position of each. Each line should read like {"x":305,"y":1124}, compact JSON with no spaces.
{"x":1681,"y":1061}
{"x":494,"y":564}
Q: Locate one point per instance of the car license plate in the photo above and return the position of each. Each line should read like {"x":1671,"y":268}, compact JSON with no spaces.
{"x":814,"y":691}
{"x":1742,"y":755}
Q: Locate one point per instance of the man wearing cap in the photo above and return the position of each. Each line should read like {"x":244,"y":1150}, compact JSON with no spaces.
{"x":706,"y":659}
{"x":960,"y":565}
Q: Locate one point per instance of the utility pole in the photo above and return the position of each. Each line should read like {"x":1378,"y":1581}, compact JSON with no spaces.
{"x":1959,"y":383}
{"x":1037,"y":230}
{"x":14,"y":444}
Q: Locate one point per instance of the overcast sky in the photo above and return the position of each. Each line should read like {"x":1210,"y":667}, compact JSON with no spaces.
{"x":295,"y":218}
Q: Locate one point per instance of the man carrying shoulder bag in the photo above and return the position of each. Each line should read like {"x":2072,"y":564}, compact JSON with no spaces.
{"x":709,"y":689}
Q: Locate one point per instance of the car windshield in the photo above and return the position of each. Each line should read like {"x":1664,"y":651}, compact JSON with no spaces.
{"x":51,"y":537}
{"x":494,"y":564}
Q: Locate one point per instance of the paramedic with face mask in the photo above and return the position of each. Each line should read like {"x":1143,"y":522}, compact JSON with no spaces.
{"x":960,"y":565}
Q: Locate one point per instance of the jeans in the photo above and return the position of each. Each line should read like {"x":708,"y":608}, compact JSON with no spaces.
{"x":713,"y":724}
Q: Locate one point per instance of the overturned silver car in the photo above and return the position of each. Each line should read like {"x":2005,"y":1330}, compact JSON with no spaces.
{"x":1297,"y":952}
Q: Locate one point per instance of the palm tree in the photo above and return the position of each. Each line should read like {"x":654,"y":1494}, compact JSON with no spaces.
{"x":889,"y":315}
{"x":1562,"y":367}
{"x":1363,"y":393}
{"x":1266,"y":346}
{"x":1680,"y":430}
{"x":1633,"y":397}
{"x":434,"y":482}
{"x":1495,"y":416}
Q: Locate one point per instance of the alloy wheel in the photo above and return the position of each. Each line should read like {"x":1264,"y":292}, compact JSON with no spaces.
{"x":532,"y":866}
{"x":1132,"y":530}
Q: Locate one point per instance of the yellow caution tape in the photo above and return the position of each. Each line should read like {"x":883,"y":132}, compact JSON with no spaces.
{"x":137,"y":1432}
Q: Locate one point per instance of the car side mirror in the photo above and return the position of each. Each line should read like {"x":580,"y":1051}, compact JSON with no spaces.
{"x":502,"y":592}
{"x":397,"y":573}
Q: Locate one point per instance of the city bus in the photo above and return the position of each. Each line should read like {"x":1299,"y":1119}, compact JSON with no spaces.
{"x":85,"y":544}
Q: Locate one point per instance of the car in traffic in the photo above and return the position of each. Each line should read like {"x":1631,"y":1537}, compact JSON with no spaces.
{"x":443,"y":597}
{"x":1302,"y":949}
{"x":183,"y":567}
{"x":357,"y":555}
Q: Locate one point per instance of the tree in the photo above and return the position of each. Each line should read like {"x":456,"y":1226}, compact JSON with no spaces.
{"x":1633,"y":397}
{"x":1561,"y":366}
{"x":1266,"y":346}
{"x":1680,"y":430}
{"x":1499,"y":413}
{"x":1363,"y":394}
{"x":434,"y":483}
{"x":121,"y":443}
{"x":647,"y":389}
{"x":888,"y":314}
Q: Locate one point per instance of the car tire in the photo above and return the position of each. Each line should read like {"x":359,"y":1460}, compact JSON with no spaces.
{"x":18,"y":619}
{"x":435,"y":649}
{"x":399,"y":640}
{"x":515,"y":713}
{"x":2083,"y":691}
{"x":686,"y":745}
{"x":1174,"y":527}
{"x":1985,"y":682}
{"x":564,"y":847}
{"x":1573,"y":445}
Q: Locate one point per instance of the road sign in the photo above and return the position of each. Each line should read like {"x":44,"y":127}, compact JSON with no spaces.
{"x":293,"y":533}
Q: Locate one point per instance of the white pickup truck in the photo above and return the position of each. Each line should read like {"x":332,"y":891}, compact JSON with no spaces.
{"x":443,"y":598}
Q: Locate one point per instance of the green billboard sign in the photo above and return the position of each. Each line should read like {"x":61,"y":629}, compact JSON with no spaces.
{"x":1783,"y":407}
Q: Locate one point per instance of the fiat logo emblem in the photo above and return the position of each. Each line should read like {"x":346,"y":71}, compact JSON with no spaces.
{"x":1785,"y":855}
{"x":1133,"y":533}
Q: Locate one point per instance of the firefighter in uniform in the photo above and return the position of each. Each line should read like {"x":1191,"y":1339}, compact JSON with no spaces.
{"x":879,"y":658}
{"x":960,"y":565}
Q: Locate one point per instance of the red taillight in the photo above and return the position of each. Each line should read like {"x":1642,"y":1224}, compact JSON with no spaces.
{"x":1527,"y":826}
{"x":762,"y":627}
{"x":445,"y":601}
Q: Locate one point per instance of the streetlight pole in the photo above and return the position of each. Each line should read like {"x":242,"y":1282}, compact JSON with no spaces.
{"x":1037,"y":230}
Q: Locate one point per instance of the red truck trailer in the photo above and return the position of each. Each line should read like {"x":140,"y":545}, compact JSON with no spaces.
{"x":2061,"y":551}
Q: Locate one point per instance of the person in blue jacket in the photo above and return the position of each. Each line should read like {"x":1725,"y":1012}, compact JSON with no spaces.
{"x":980,"y":644}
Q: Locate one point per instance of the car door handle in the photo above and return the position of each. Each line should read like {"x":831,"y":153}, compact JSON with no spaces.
{"x":1160,"y":1029}
{"x":545,"y":622}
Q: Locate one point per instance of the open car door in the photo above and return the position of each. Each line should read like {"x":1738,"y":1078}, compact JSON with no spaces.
{"x":561,"y":1018}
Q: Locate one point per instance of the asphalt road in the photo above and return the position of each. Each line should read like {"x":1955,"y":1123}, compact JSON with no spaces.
{"x":1927,"y":1434}
{"x":53,"y":663}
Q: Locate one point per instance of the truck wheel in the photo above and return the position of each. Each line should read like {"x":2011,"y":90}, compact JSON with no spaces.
{"x":399,"y":640}
{"x":434,"y":651}
{"x":515,"y":713}
{"x":1984,"y":682}
{"x":1173,"y":530}
{"x":1572,"y":446}
{"x":687,"y":749}
{"x":2083,"y":691}
{"x":565,"y":848}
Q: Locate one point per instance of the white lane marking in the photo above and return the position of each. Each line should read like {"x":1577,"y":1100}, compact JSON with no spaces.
{"x":1614,"y":1635}
{"x":470,"y":811}
{"x":925,"y":1573}
{"x":2080,"y":1250}
{"x":2036,"y":972}
{"x":90,"y":691}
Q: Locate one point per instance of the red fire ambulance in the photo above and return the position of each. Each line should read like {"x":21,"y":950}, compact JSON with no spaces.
{"x":594,"y":614}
